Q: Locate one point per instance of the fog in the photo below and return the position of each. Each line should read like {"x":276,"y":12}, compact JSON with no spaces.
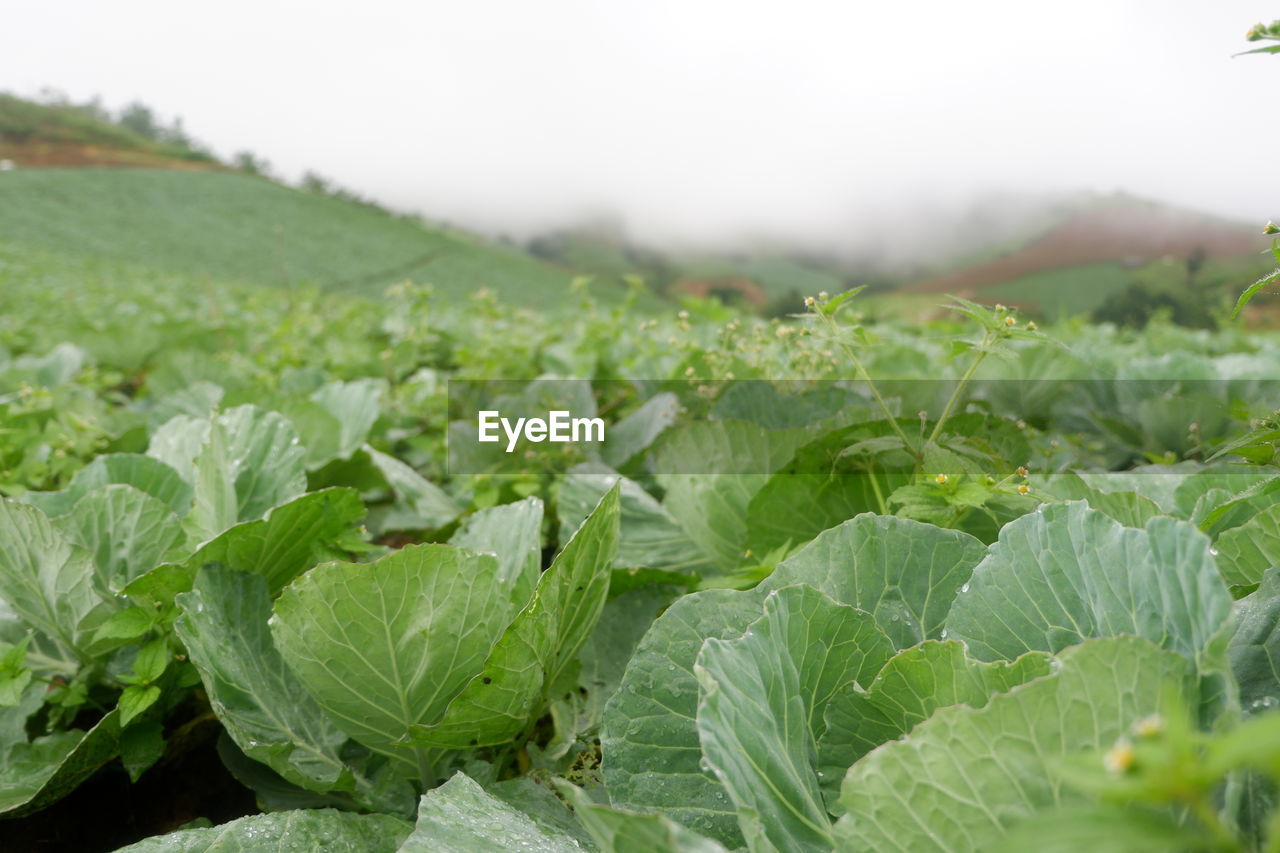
{"x":695,"y":121}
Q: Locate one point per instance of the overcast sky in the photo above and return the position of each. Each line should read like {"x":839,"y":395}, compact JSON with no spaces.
{"x":693,"y":119}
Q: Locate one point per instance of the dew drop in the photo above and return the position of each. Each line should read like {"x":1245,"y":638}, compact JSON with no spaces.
{"x":964,"y":588}
{"x":1213,"y":551}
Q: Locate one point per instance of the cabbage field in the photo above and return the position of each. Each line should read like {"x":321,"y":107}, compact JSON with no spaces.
{"x":829,"y":583}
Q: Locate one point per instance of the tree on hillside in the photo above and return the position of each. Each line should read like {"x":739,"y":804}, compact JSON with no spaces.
{"x":251,"y":164}
{"x":141,"y":119}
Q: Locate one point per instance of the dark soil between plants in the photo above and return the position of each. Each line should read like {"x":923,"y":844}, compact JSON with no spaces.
{"x":108,"y":811}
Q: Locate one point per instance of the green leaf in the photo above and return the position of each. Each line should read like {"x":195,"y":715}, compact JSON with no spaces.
{"x":604,"y":656}
{"x":1103,"y":829}
{"x":761,"y":710}
{"x":1246,"y":552}
{"x":649,"y":536}
{"x":904,"y":572}
{"x":385,"y":646}
{"x":355,"y":406}
{"x":535,"y":798}
{"x":318,"y":430}
{"x":259,"y":701}
{"x":50,"y":583}
{"x":36,"y":774}
{"x":459,"y":817}
{"x":622,"y":831}
{"x":136,"y":699}
{"x":793,"y":508}
{"x":177,"y":443}
{"x":513,"y":534}
{"x":144,"y":473}
{"x":711,"y":470}
{"x":250,"y":462}
{"x":1066,"y":573}
{"x":832,"y":305}
{"x":151,"y":661}
{"x":497,"y":704}
{"x":1129,"y":508}
{"x":198,"y":399}
{"x":652,"y":755}
{"x":141,"y":746}
{"x":637,"y":431}
{"x":285,"y":832}
{"x":13,"y":686}
{"x":15,"y":678}
{"x":13,"y":718}
{"x":291,"y":539}
{"x":128,"y":624}
{"x":428,"y":506}
{"x":1255,"y":288}
{"x":963,"y":777}
{"x":911,"y":686}
{"x":126,"y":530}
{"x":1254,"y":651}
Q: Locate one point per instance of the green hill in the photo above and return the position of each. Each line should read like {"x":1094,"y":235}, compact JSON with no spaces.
{"x":229,"y":226}
{"x":1098,"y":248}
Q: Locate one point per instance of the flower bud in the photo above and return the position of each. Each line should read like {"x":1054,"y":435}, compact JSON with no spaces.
{"x":1119,"y":759}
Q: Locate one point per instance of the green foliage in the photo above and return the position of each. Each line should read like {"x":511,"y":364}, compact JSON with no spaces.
{"x":868,"y":612}
{"x":255,"y":231}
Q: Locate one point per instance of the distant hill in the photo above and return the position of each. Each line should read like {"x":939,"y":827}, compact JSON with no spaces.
{"x":35,"y":135}
{"x":231,"y":226}
{"x":170,"y":206}
{"x":1087,"y":252}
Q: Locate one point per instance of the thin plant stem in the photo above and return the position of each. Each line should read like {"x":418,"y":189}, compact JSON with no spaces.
{"x":866,"y":377}
{"x":960,"y":386}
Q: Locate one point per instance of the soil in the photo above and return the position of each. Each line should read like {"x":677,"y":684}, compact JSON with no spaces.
{"x":34,"y":154}
{"x":109,"y":812}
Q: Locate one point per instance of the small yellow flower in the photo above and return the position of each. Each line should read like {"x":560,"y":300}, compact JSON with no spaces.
{"x":1271,"y":228}
{"x":1009,"y":321}
{"x":824,"y":296}
{"x":1031,"y":326}
{"x":941,"y":478}
{"x":1149,"y":727}
{"x":808,"y":302}
{"x":1001,"y":308}
{"x":1119,"y":759}
{"x":1024,"y":489}
{"x":1022,"y":470}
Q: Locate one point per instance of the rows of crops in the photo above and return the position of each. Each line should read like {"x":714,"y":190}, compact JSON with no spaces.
{"x":1029,"y":602}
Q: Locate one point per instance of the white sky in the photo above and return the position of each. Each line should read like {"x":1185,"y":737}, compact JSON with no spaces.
{"x":694,"y":119}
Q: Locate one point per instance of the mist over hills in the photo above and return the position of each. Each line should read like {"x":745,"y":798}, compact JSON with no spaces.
{"x":132,"y":187}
